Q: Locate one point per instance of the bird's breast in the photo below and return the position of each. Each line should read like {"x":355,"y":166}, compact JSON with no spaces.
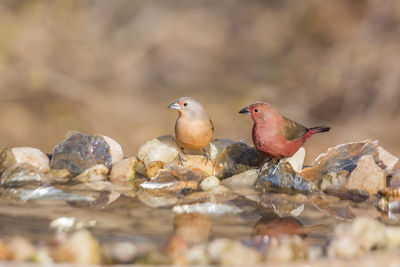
{"x":193,"y":134}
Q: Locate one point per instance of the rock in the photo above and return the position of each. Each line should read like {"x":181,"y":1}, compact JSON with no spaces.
{"x":161,"y":149}
{"x":209,"y":183}
{"x":386,"y":160}
{"x":395,"y":179}
{"x":237,"y":158}
{"x":96,"y":173}
{"x":333,"y":181}
{"x":193,"y":228}
{"x":122,"y":252}
{"x":217,"y":146}
{"x":80,"y":152}
{"x":172,"y":171}
{"x":339,"y":158}
{"x":24,"y":174}
{"x":115,"y":149}
{"x":287,"y":249}
{"x":273,"y":226}
{"x":229,"y":252}
{"x":363,"y":234}
{"x":282,"y":178}
{"x":80,"y":247}
{"x":123,"y":170}
{"x":59,"y":176}
{"x":244,"y":180}
{"x":198,"y":163}
{"x":297,"y":160}
{"x":21,"y":249}
{"x":367,"y":176}
{"x":20,"y":155}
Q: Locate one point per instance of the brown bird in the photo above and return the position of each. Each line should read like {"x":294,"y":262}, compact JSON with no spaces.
{"x":275,"y":135}
{"x":193,"y":129}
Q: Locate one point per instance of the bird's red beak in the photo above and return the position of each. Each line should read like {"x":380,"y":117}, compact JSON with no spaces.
{"x":175,"y":105}
{"x":245,"y":111}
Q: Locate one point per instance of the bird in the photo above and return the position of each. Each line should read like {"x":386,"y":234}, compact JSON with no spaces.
{"x":194,"y":129}
{"x":274,"y":135}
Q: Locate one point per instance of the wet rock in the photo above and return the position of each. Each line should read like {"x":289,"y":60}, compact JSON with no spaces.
{"x":367,"y":176}
{"x":21,"y":249}
{"x":244,"y":180}
{"x":80,"y":152}
{"x":115,"y":149}
{"x":24,"y":174}
{"x":363,"y":234}
{"x":386,"y":160}
{"x":198,"y":163}
{"x":297,"y":160}
{"x":333,"y":181}
{"x":96,"y":173}
{"x":339,"y":158}
{"x":207,"y":208}
{"x":217,"y":146}
{"x":237,"y":158}
{"x":233,"y":253}
{"x":80,"y":247}
{"x":209,"y":183}
{"x":192,"y":228}
{"x":287,"y":249}
{"x":282,"y":178}
{"x":172,"y":171}
{"x":20,"y":155}
{"x":158,"y":151}
{"x":123,"y":170}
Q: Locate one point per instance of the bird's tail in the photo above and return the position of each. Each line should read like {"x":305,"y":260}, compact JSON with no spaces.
{"x":319,"y":129}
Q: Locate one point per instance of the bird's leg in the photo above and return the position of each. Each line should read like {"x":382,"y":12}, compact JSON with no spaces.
{"x":181,"y":159}
{"x":277,"y":166}
{"x":206,"y":155}
{"x":265,"y":165}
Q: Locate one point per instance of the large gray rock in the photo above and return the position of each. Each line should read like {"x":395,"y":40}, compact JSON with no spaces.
{"x":80,"y":152}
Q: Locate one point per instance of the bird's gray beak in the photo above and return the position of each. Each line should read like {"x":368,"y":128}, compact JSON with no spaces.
{"x":175,"y":105}
{"x":245,"y":111}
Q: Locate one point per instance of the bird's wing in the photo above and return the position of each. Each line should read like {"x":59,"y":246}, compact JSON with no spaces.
{"x":292,"y":130}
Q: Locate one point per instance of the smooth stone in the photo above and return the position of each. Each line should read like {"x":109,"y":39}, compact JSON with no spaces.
{"x":237,"y":158}
{"x":123,"y":170}
{"x":96,"y":173}
{"x":339,"y":158}
{"x":297,"y":160}
{"x":387,"y":160}
{"x":21,"y":249}
{"x":19,"y":155}
{"x":244,"y":180}
{"x":80,"y":152}
{"x":80,"y":247}
{"x":162,"y":148}
{"x":217,"y":146}
{"x":115,"y":149}
{"x":367,"y":176}
{"x":24,"y":174}
{"x":233,"y":253}
{"x":209,"y":183}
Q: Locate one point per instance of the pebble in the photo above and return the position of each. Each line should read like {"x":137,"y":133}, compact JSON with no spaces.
{"x":123,"y":170}
{"x":209,"y":183}
{"x":20,"y":155}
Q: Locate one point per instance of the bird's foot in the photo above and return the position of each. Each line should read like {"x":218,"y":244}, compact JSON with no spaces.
{"x":277,"y":166}
{"x":206,"y":155}
{"x":181,"y":159}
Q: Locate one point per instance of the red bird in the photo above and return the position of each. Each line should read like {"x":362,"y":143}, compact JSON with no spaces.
{"x":275,"y":135}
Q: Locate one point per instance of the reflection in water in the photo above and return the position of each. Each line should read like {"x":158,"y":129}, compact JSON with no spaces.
{"x":273,"y":226}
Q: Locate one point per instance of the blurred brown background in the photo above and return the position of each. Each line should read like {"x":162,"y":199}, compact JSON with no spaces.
{"x":112,"y":67}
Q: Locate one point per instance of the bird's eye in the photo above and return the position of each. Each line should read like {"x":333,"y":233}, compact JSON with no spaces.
{"x":256,"y":110}
{"x":185,"y":104}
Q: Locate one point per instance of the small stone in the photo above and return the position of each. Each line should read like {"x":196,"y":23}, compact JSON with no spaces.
{"x":367,"y":176}
{"x":229,"y":252}
{"x":386,"y":160}
{"x":21,"y":249}
{"x":297,"y":159}
{"x":123,"y":170}
{"x":80,"y":152}
{"x":96,"y":173}
{"x":153,"y":168}
{"x":19,"y":155}
{"x":115,"y":149}
{"x":24,"y":174}
{"x":163,"y":148}
{"x":237,"y":158}
{"x":80,"y":247}
{"x":209,"y":183}
{"x":244,"y":180}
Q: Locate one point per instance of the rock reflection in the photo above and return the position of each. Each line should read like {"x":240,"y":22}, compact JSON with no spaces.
{"x":272,"y":226}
